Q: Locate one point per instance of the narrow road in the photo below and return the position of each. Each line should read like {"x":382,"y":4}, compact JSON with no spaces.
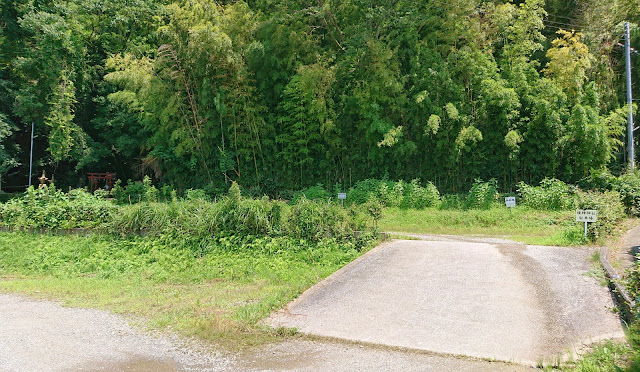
{"x":42,"y":336}
{"x":497,"y":300}
{"x":441,"y":304}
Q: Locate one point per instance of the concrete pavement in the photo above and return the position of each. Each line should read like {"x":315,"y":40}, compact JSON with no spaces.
{"x":495,"y":300}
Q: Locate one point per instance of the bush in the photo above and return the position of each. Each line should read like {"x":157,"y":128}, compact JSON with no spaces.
{"x":317,"y":192}
{"x":317,"y":220}
{"x":552,"y":194}
{"x":49,"y":207}
{"x":136,"y":192}
{"x":235,"y":215}
{"x":482,"y":194}
{"x":452,"y":201}
{"x":196,"y":194}
{"x":628,"y":185}
{"x":363,"y":190}
{"x":609,"y":206}
{"x":418,"y":197}
{"x":395,"y":194}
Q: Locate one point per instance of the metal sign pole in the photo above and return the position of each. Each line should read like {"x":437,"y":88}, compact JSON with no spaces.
{"x":585,"y":228}
{"x":31,"y":154}
{"x":632,"y":161}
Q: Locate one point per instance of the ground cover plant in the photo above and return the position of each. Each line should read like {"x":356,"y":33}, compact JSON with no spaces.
{"x":212,"y":265}
{"x":545,"y":214}
{"x":520,"y":224}
{"x":206,"y":268}
{"x":49,"y":207}
{"x":216,"y":289}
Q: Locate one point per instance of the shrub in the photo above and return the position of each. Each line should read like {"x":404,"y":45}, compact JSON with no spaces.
{"x":196,"y":194}
{"x":317,"y":192}
{"x":395,"y":194}
{"x":374,"y":209}
{"x":49,"y":207}
{"x":418,"y":197}
{"x":482,"y":194}
{"x":316,"y":220}
{"x":362,"y":191}
{"x":609,"y":206}
{"x":236,"y":215}
{"x":452,"y":201}
{"x":628,"y":185}
{"x":552,"y":194}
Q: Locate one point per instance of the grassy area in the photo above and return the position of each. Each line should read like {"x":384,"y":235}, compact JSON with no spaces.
{"x":607,"y":356}
{"x":521,"y":224}
{"x":217,"y":289}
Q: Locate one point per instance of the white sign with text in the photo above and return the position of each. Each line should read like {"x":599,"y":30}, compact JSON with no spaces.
{"x":510,"y":201}
{"x":586,"y":215}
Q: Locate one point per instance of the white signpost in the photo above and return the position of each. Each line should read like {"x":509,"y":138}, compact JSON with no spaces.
{"x":510,"y":201}
{"x":342,"y":196}
{"x":586,"y":216}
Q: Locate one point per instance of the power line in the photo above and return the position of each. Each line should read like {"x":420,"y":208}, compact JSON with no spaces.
{"x":560,"y":16}
{"x":562,"y":23}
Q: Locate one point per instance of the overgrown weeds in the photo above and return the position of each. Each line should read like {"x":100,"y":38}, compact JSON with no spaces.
{"x":48,"y":207}
{"x":215,"y":288}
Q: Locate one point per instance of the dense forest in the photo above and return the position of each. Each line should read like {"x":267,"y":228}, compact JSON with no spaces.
{"x":286,"y":94}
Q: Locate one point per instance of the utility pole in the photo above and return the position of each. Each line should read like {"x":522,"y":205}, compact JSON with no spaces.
{"x":31,"y":154}
{"x":627,"y":47}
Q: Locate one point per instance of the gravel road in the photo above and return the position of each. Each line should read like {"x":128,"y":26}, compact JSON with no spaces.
{"x":42,"y":336}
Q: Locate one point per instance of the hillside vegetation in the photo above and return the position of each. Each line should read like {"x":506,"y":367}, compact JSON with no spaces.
{"x":283,"y":95}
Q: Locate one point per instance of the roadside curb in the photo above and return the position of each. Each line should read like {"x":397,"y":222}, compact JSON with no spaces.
{"x":622,"y":297}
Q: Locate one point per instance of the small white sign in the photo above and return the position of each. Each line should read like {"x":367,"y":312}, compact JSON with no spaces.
{"x":342,"y":195}
{"x":586,"y":215}
{"x":510,"y":201}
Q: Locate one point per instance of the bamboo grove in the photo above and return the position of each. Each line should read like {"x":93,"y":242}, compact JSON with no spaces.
{"x":286,"y":94}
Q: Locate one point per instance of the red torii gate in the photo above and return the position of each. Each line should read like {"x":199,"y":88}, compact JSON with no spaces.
{"x":95,"y":177}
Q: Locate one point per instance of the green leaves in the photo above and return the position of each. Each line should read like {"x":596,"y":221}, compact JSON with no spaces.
{"x":569,"y":60}
{"x":285,"y":95}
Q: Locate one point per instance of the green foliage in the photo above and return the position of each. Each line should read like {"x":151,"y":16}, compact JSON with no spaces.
{"x":556,"y":195}
{"x":317,"y":192}
{"x":136,"y":192}
{"x":8,"y":160}
{"x":395,"y":194}
{"x":198,"y":94}
{"x":48,"y":207}
{"x":317,"y":220}
{"x":482,"y":194}
{"x":374,"y":209}
{"x":551,"y":194}
{"x":235,"y":215}
{"x":609,"y":206}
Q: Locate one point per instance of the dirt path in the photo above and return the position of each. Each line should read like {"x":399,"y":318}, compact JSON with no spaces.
{"x":492,"y":299}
